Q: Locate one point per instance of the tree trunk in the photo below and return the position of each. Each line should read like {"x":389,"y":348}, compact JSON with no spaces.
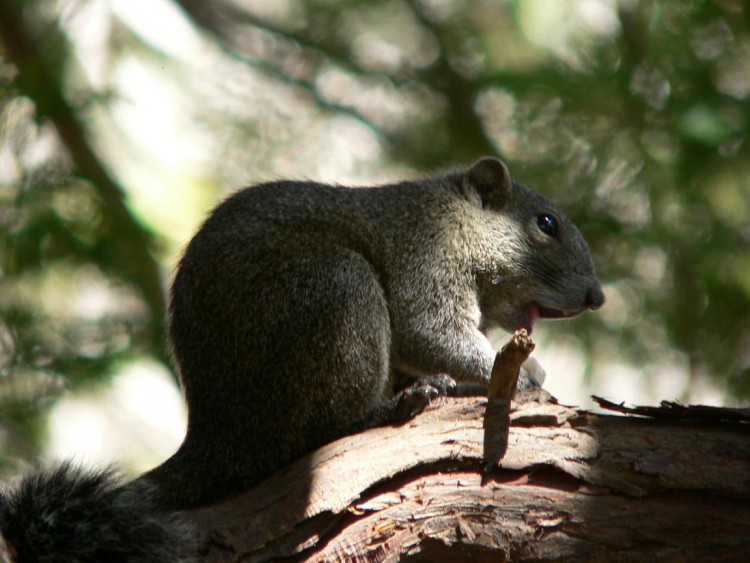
{"x":571,"y":485}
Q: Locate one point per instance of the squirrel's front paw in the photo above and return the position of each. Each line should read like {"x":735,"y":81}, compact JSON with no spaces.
{"x":413,"y":399}
{"x":531,"y":375}
{"x":443,"y":383}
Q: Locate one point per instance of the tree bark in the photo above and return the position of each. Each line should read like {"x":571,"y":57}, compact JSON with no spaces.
{"x":572,"y":485}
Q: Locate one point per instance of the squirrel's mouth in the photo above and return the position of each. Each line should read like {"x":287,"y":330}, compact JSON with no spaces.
{"x":534,"y":311}
{"x":547,"y":313}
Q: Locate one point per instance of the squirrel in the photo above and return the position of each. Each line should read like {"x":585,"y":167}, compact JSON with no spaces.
{"x":298,"y":313}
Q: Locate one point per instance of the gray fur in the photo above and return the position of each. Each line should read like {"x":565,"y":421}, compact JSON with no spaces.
{"x":296,"y":314}
{"x":298,"y":308}
{"x":67,"y":514}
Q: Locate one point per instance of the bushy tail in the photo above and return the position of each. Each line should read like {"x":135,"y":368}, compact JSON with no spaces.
{"x":79,"y":515}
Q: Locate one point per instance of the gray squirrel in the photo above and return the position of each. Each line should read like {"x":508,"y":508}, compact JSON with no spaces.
{"x":299,"y":313}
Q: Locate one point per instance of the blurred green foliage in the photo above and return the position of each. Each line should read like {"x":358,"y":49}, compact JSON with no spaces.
{"x":633,"y":114}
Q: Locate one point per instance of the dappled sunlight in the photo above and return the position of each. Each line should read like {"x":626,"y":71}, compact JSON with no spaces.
{"x":136,"y":422}
{"x":632,"y":116}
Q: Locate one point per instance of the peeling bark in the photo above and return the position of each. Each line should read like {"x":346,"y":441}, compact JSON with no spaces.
{"x":572,"y":485}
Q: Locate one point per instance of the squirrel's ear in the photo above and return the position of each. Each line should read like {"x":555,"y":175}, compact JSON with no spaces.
{"x":491,"y":180}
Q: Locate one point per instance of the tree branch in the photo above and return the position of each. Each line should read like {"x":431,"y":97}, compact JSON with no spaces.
{"x":226,"y":31}
{"x":468,"y":137}
{"x":573,"y":485}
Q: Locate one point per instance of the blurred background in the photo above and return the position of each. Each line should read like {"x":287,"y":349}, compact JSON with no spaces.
{"x":122,"y":122}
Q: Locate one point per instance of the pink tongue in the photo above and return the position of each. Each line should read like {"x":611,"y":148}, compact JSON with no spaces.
{"x":532,"y":312}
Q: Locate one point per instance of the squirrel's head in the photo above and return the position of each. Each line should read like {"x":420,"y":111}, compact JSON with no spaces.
{"x":532,"y":262}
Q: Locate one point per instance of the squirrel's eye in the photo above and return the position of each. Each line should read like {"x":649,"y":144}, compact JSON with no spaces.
{"x":547,"y":224}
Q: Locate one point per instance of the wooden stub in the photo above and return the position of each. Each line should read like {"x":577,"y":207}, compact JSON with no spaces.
{"x":500,"y":392}
{"x":508,"y":364}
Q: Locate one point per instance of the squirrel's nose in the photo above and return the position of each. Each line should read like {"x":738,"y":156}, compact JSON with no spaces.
{"x":594,"y":297}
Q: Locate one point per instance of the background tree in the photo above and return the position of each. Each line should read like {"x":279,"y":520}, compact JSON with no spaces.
{"x":634,"y":115}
